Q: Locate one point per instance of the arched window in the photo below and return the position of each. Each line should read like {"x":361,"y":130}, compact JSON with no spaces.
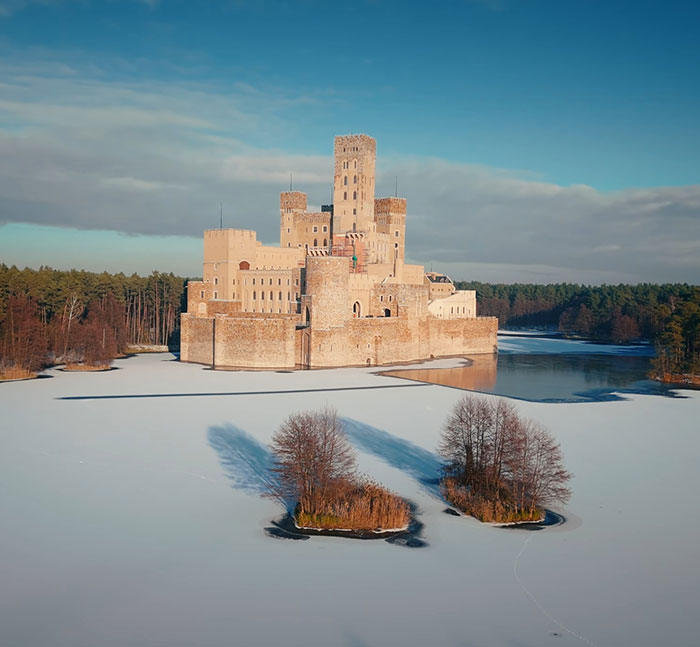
{"x":216,"y":295}
{"x":271,"y":297}
{"x":345,"y":195}
{"x":354,"y":195}
{"x":325,"y":242}
{"x":216,"y":280}
{"x":280,"y":296}
{"x":255,"y":295}
{"x":201,"y":294}
{"x":315,"y":242}
{"x":307,"y":315}
{"x":262,"y":295}
{"x":244,"y":265}
{"x":387,"y":312}
{"x":345,"y":180}
{"x":356,"y":310}
{"x":354,"y":179}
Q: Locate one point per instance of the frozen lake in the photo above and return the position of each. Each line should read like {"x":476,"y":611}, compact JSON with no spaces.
{"x":550,"y":370}
{"x":137,"y":520}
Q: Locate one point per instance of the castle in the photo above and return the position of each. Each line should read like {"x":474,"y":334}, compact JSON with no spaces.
{"x":336,"y":292}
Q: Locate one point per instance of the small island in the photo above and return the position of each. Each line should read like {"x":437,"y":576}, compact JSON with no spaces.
{"x":315,"y":468}
{"x":500,"y":468}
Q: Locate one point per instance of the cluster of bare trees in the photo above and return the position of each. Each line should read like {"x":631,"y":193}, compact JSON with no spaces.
{"x":316,"y":468}
{"x":94,"y":339}
{"x":23,"y":339}
{"x":89,"y":336}
{"x":500,"y":467}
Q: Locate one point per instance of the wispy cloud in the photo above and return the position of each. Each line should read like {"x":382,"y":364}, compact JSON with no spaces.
{"x":80,"y":150}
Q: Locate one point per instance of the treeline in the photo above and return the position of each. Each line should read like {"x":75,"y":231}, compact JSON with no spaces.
{"x":678,"y":346}
{"x":76,"y":317}
{"x":664,"y":314}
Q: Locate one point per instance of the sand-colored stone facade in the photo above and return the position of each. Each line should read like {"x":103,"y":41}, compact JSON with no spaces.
{"x":336,"y":292}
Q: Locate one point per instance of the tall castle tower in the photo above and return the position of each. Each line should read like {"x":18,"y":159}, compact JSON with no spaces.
{"x":353,"y":183}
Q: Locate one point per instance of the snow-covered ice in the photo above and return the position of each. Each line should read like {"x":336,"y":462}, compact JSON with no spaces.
{"x":533,"y":344}
{"x":138,"y":521}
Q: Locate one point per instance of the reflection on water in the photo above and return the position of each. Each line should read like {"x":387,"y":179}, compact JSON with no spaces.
{"x":547,"y":377}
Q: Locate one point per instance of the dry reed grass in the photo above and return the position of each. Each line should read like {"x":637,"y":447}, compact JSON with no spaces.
{"x":16,"y":373}
{"x":86,"y":367}
{"x":357,"y":505}
{"x":485,"y":509}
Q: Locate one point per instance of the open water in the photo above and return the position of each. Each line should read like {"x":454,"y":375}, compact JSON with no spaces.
{"x":606,"y":373}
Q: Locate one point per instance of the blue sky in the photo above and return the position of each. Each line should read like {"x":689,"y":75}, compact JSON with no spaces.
{"x":549,"y":123}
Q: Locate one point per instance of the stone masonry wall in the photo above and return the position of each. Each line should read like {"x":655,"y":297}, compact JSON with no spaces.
{"x":255,"y":342}
{"x":195,"y":339}
{"x":376,"y":341}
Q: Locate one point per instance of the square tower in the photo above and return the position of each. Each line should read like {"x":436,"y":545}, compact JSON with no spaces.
{"x":353,"y":183}
{"x":390,"y":216}
{"x":291,"y":204}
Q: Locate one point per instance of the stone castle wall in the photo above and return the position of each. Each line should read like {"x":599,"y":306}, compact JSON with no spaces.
{"x":196,"y":338}
{"x":260,"y":342}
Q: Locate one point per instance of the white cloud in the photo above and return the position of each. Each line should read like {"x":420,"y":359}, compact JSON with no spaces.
{"x":77,"y":150}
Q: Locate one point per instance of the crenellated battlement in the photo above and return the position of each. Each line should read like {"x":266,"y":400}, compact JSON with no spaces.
{"x":292,"y":201}
{"x":390,"y":206}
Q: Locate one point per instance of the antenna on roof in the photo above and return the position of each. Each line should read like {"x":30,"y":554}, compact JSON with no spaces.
{"x":290,"y":181}
{"x":396,"y":187}
{"x":221,"y":215}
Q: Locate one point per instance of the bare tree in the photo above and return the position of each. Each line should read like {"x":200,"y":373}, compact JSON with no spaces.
{"x":464,"y":438}
{"x":97,"y":338}
{"x":312,"y":455}
{"x":536,"y":468}
{"x":72,"y":310}
{"x":23,"y":343}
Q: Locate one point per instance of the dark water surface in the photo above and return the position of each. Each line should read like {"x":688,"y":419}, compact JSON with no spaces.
{"x":548,"y":377}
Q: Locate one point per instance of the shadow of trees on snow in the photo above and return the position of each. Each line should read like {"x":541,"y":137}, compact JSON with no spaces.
{"x":246,"y":462}
{"x":422,"y":465}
